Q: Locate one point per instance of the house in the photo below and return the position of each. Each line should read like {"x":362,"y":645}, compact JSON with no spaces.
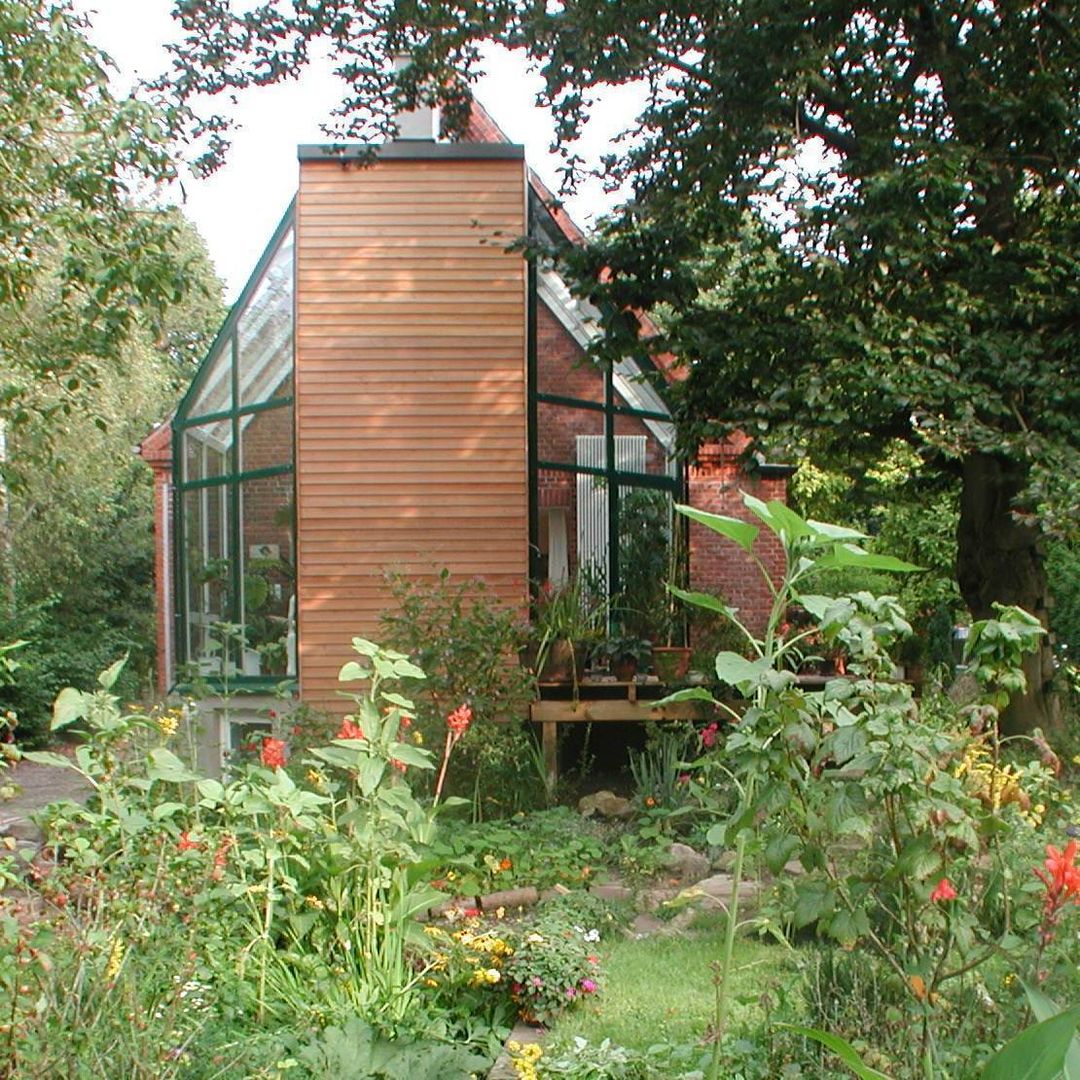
{"x":394,"y":388}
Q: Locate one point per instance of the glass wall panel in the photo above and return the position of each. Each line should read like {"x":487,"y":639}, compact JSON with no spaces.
{"x":266,"y":438}
{"x":235,"y":557}
{"x":207,"y":571}
{"x":268,"y":608}
{"x":213,"y":384}
{"x":265,"y":331}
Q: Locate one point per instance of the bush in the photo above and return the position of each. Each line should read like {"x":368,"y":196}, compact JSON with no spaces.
{"x":467,"y":642}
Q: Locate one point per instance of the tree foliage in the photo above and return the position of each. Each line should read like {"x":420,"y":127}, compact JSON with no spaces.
{"x":84,"y":255}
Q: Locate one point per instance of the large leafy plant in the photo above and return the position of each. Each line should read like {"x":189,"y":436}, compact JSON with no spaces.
{"x":857,"y":781}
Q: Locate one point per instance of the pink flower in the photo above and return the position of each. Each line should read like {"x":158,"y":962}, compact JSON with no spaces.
{"x":943,"y":892}
{"x":708,"y":736}
{"x":588,"y":985}
{"x":571,"y":993}
{"x":273,"y":753}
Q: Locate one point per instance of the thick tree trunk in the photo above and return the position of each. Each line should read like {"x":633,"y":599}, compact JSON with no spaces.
{"x":1000,"y":558}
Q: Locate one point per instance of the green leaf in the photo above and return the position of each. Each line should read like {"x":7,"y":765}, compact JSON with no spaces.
{"x":406,"y":669}
{"x":813,"y":901}
{"x":107,"y":679}
{"x":688,"y":693}
{"x":779,"y":851}
{"x":166,"y":809}
{"x":211,"y":789}
{"x":47,"y":757}
{"x":841,"y":1048}
{"x":166,"y":766}
{"x":370,"y":774}
{"x":736,"y":670}
{"x":850,"y":555}
{"x":833,"y":532}
{"x":70,"y":705}
{"x":352,"y":671}
{"x":703,"y":600}
{"x":742,"y":532}
{"x":1045,"y":1008}
{"x":412,"y":755}
{"x":1038,"y":1052}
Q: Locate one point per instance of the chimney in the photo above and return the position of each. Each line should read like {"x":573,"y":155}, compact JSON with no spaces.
{"x":424,"y":122}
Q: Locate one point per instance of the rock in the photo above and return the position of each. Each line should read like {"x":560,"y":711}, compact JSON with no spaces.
{"x":614,"y":891}
{"x":687,"y":864}
{"x":605,"y":803}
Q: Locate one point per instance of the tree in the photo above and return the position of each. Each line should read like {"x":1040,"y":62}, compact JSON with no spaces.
{"x":84,"y":254}
{"x":80,"y":518}
{"x":920,"y":285}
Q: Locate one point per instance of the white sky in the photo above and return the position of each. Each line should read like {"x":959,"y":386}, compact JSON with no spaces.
{"x":237,"y":208}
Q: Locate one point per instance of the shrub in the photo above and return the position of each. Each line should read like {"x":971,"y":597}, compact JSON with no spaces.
{"x":467,"y":643}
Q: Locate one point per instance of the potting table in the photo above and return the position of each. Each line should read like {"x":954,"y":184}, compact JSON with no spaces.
{"x":599,"y":702}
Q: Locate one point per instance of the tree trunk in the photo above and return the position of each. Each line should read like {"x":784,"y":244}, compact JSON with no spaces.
{"x":1000,"y":559}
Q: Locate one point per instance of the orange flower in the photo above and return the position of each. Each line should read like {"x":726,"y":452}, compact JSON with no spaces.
{"x":406,"y":723}
{"x":650,"y":801}
{"x":399,"y":765}
{"x":185,"y":843}
{"x":273,"y":753}
{"x":1062,"y":875}
{"x":943,"y":892}
{"x":506,"y":864}
{"x":459,"y":720}
{"x":349,"y":730}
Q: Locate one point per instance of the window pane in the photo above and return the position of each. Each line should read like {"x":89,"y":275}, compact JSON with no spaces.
{"x":266,"y":508}
{"x":207,"y":575}
{"x":265,"y":331}
{"x":266,"y":438}
{"x":206,"y":451}
{"x":213,"y":393}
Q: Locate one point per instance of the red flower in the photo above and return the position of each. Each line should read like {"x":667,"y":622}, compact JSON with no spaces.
{"x":1062,"y":875}
{"x":349,"y":730}
{"x":406,"y":723}
{"x":459,"y":720}
{"x":943,"y":891}
{"x":185,"y":843}
{"x":708,"y":736}
{"x":273,"y":753}
{"x":399,"y":765}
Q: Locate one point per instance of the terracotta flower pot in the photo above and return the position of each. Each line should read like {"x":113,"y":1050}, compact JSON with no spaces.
{"x":672,"y":662}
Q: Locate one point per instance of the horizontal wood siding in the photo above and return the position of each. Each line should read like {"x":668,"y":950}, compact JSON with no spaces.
{"x":410,"y":391}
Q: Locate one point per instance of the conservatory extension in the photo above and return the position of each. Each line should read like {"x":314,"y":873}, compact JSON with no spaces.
{"x":396,"y":389}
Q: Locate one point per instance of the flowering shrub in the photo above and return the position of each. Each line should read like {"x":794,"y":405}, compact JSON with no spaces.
{"x":554,"y":967}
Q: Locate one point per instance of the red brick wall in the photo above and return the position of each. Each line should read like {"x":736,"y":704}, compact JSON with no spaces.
{"x":718,"y":565}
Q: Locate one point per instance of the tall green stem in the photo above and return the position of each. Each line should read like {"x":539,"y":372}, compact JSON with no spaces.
{"x":723,"y":982}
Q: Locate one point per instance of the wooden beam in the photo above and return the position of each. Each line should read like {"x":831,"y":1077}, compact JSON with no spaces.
{"x":619,"y":711}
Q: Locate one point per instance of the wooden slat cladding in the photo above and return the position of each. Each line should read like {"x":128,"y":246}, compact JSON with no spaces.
{"x":410,"y":391}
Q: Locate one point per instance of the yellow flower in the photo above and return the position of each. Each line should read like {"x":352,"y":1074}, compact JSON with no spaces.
{"x":168,"y":723}
{"x":492,"y":976}
{"x":116,"y":959}
{"x":418,"y":738}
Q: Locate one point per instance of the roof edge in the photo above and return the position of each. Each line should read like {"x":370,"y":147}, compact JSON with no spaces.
{"x":411,"y":150}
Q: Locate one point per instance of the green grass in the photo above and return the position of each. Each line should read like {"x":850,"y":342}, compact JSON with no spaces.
{"x":660,"y":989}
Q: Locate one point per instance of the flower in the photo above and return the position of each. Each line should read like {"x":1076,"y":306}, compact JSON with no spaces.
{"x":506,"y":864}
{"x":168,"y":723}
{"x":459,"y":720}
{"x":943,"y":892}
{"x":349,"y":730}
{"x":399,"y":765}
{"x":185,"y":843}
{"x":650,"y":801}
{"x":405,"y":723}
{"x":1061,"y":876}
{"x":708,"y":736}
{"x":588,"y":986}
{"x":272,"y":754}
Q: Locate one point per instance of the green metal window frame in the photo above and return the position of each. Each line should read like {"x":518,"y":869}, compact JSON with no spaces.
{"x":226,"y":340}
{"x":542,"y":226}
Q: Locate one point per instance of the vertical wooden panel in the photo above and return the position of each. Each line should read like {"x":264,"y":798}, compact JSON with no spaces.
{"x":410,"y":390}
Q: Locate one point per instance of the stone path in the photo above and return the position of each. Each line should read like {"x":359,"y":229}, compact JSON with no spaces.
{"x":38,"y":785}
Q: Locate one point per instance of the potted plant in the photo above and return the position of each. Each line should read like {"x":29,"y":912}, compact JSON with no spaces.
{"x":626,"y":654}
{"x":570,"y":619}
